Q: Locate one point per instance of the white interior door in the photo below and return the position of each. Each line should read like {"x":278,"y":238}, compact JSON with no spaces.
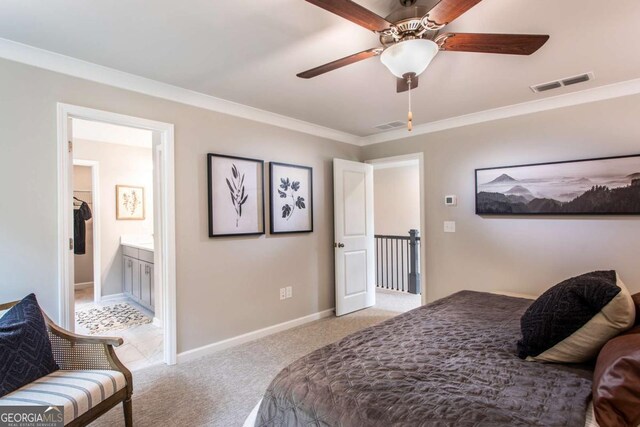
{"x":354,"y":236}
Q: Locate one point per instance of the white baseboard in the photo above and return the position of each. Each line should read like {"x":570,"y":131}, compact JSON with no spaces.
{"x":199,"y":352}
{"x":111,"y":297}
{"x":83,"y":285}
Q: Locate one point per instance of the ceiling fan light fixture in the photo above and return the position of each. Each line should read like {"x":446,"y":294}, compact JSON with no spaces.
{"x":409,"y":56}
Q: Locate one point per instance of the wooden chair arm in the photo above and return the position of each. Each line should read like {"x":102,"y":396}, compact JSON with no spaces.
{"x":81,"y":339}
{"x":68,"y":335}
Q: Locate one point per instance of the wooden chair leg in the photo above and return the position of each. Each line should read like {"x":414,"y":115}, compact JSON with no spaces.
{"x":128,"y":412}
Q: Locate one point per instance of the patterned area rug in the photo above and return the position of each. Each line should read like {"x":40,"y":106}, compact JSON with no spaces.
{"x":110,"y":318}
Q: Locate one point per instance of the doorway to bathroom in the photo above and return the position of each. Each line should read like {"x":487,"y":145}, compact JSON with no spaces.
{"x":114,"y":285}
{"x":118,"y":272}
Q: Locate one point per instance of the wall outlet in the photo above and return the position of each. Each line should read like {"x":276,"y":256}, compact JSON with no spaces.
{"x":449,"y":226}
{"x":283,"y":293}
{"x":289,"y":292}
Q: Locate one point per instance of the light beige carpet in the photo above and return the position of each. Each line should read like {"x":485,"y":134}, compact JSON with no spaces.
{"x":221,"y":389}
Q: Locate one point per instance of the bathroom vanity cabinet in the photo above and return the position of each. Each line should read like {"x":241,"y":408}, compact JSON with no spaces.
{"x":138,"y":283}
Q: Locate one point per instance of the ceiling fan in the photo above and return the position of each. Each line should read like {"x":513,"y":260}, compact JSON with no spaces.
{"x":411,"y":38}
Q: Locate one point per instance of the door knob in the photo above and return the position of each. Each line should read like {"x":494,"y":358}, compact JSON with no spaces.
{"x":341,"y":245}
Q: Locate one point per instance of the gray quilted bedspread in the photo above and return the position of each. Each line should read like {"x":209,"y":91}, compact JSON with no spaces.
{"x":450,"y":363}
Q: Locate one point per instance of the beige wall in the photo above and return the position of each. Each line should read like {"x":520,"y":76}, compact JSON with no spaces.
{"x":229,"y":286}
{"x":83,"y":264}
{"x":118,"y":165}
{"x":225,"y":286}
{"x":522,"y":254}
{"x":396,"y":200}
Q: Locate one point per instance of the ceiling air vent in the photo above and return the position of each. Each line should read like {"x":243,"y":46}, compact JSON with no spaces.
{"x":391,"y":125}
{"x":567,"y":81}
{"x":546,"y":86}
{"x":577,"y":79}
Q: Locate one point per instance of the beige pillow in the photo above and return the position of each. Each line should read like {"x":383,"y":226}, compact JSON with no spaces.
{"x":585,"y":343}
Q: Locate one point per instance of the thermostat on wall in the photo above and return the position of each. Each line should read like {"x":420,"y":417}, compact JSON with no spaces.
{"x":451,"y":200}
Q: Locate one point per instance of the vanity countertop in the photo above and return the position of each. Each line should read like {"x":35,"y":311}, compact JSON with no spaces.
{"x":138,"y":242}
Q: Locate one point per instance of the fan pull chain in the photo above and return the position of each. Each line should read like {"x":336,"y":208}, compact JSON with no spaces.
{"x":410,"y":114}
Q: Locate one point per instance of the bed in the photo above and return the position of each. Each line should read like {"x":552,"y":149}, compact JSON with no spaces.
{"x":449,"y":363}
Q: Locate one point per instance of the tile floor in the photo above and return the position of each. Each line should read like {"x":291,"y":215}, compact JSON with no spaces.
{"x":143,"y":344}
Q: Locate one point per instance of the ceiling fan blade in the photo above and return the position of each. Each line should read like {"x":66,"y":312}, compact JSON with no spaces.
{"x":402,"y":86}
{"x":511,"y":44}
{"x":446,"y":11}
{"x":354,"y":13}
{"x":338,"y":63}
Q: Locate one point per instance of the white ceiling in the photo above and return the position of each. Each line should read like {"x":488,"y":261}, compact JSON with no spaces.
{"x":249,"y":52}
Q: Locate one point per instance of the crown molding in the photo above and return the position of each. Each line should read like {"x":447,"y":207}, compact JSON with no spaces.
{"x":600,"y":93}
{"x":63,"y":64}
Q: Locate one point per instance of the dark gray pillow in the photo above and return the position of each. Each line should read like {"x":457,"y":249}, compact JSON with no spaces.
{"x":569,"y":306}
{"x":25,"y":349}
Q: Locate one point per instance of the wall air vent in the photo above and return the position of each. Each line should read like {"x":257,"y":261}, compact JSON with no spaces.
{"x":567,"y":81}
{"x":391,"y":125}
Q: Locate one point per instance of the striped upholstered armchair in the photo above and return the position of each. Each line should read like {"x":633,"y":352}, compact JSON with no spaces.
{"x":91,"y":380}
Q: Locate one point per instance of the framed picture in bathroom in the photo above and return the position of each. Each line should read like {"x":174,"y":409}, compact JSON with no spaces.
{"x":129,"y":202}
{"x":236,"y":196}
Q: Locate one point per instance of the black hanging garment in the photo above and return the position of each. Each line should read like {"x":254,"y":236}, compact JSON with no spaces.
{"x":80,"y":215}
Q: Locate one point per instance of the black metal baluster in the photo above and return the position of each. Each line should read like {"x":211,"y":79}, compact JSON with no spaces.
{"x":395,"y":265}
{"x":402,"y":263}
{"x":377,"y":262}
{"x":386,"y":264}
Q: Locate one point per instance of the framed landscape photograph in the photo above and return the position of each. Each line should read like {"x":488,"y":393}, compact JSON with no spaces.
{"x":605,"y":186}
{"x":236,"y":196}
{"x":129,"y":202}
{"x":291,"y":198}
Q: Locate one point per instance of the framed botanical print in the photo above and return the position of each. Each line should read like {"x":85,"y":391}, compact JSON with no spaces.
{"x":129,"y":202}
{"x":291,"y":198}
{"x":236,"y":195}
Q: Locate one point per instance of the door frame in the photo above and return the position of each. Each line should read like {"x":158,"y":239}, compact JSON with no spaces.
{"x":423,"y":218}
{"x":95,"y":217}
{"x":164,"y":135}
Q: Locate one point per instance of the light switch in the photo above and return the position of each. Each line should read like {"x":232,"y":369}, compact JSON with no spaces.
{"x":449,"y":226}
